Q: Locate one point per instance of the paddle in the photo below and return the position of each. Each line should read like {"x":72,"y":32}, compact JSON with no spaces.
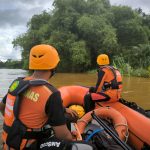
{"x":75,"y":132}
{"x":110,"y":132}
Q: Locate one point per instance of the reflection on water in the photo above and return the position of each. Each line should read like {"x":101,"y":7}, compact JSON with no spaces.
{"x":134,"y":88}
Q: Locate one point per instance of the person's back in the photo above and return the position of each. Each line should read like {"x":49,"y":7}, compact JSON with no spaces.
{"x":36,"y":104}
{"x":111,"y":83}
{"x":32,"y":109}
{"x":108,"y":86}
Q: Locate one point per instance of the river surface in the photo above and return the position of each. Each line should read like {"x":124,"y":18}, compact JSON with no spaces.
{"x":134,"y":88}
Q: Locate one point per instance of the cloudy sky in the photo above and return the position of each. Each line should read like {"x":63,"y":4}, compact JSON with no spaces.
{"x":14,"y":15}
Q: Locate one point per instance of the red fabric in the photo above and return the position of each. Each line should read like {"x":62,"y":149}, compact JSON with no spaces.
{"x":96,"y":97}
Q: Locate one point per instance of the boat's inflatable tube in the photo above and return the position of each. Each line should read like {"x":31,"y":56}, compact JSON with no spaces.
{"x":119,"y":122}
{"x":73,"y":95}
{"x":139,"y":125}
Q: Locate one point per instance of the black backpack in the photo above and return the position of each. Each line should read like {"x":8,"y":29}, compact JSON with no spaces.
{"x":100,"y":138}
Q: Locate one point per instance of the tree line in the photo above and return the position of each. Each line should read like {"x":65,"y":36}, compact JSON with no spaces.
{"x":11,"y":64}
{"x":83,"y":29}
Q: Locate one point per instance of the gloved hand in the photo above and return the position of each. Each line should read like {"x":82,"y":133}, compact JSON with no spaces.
{"x":92,"y":89}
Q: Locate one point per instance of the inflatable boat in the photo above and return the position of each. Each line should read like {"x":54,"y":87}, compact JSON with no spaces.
{"x":124,"y":118}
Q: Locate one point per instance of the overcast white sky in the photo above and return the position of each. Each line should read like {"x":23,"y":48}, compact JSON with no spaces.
{"x":14,"y":15}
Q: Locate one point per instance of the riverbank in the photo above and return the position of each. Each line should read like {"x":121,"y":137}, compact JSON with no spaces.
{"x":132,"y":73}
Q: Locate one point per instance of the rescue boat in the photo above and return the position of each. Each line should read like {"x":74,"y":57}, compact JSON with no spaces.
{"x":138,"y":124}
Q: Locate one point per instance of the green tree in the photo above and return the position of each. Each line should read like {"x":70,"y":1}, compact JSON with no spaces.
{"x":129,"y":27}
{"x":82,"y":29}
{"x":80,"y":56}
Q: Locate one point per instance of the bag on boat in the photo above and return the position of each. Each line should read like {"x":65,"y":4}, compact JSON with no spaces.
{"x":100,"y":138}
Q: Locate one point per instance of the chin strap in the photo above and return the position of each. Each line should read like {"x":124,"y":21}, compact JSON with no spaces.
{"x":53,"y":71}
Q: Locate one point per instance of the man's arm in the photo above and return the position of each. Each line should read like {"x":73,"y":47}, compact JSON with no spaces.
{"x":57,"y":120}
{"x":2,"y":104}
{"x":2,"y":108}
{"x":62,"y":132}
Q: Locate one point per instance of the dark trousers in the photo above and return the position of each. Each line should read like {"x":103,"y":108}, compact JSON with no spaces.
{"x":89,"y":105}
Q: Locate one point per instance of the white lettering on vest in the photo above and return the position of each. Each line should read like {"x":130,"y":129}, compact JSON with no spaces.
{"x":32,"y":95}
{"x":50,"y":144}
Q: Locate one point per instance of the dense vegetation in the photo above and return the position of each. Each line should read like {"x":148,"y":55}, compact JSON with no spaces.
{"x":82,"y":29}
{"x":11,"y":64}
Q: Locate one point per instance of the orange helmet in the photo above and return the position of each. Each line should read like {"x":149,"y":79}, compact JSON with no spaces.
{"x":43,"y":57}
{"x":103,"y":59}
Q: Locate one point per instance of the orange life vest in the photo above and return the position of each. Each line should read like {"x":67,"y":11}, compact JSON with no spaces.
{"x":18,"y":130}
{"x":111,"y":83}
{"x":111,"y":80}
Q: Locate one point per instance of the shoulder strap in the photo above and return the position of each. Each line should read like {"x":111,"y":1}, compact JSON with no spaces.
{"x":42,"y":82}
{"x":20,"y":85}
{"x":17,"y":86}
{"x":112,"y":70}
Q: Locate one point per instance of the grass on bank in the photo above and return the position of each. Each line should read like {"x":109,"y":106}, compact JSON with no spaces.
{"x":127,"y":70}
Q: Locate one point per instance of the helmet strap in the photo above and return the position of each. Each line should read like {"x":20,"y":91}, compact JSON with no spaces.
{"x":53,"y":71}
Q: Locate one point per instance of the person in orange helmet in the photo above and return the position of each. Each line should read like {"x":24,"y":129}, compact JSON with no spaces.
{"x":108,"y":87}
{"x":33,"y":107}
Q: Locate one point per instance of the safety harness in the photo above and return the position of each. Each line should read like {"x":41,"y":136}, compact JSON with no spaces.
{"x":113,"y":84}
{"x":18,"y":131}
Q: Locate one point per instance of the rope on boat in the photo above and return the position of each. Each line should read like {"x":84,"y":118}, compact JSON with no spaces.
{"x":127,"y":130}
